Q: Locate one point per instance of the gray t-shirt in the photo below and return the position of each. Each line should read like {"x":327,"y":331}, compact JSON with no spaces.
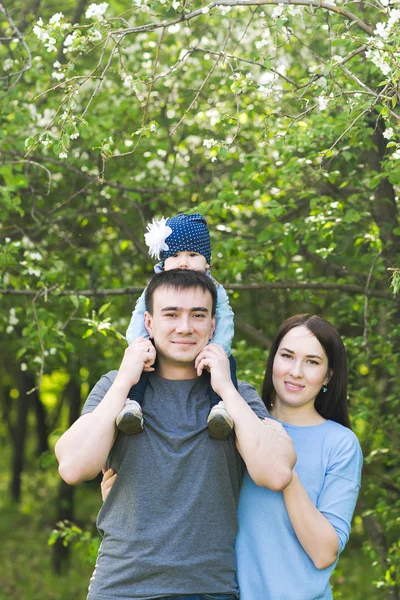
{"x":169,"y":523}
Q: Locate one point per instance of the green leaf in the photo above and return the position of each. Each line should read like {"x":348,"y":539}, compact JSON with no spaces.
{"x":103,"y":308}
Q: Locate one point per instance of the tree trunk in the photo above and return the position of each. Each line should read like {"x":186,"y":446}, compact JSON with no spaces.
{"x":26,"y":383}
{"x":41,"y":424}
{"x":66,"y":493}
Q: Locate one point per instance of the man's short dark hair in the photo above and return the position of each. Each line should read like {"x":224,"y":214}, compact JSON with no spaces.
{"x":181,"y":279}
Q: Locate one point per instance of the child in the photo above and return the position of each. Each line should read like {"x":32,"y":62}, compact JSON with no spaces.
{"x":182,"y":242}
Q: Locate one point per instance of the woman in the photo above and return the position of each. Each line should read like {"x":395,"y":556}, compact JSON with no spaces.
{"x":289,"y":542}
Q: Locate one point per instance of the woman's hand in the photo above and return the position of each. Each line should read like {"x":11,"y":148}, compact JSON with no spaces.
{"x":107,"y":482}
{"x":277,"y":428}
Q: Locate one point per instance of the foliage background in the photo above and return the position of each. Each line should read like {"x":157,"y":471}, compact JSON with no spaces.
{"x":279,"y":122}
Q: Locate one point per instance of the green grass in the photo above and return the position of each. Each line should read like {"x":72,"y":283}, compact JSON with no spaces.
{"x":27,"y":572}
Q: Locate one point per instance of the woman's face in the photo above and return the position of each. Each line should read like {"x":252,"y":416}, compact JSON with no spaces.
{"x":300,"y":369}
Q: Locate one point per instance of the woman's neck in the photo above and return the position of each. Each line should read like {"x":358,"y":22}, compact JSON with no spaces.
{"x":297,"y":415}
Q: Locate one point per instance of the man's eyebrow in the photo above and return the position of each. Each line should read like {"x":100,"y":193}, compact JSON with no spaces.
{"x":192,"y":309}
{"x":307,"y":356}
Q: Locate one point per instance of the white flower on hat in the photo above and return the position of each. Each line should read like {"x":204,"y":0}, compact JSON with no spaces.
{"x":157,"y":232}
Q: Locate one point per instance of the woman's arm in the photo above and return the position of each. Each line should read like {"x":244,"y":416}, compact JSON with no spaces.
{"x":323,"y":530}
{"x":314,"y":532}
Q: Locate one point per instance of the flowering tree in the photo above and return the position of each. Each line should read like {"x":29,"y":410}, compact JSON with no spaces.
{"x":278,"y":121}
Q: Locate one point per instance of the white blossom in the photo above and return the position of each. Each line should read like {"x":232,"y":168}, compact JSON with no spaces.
{"x":265,"y":91}
{"x":55,"y":19}
{"x":278,"y":10}
{"x":297,"y":10}
{"x":27,"y":243}
{"x":7,"y":64}
{"x":58,"y":75}
{"x":209,"y":143}
{"x":33,"y":271}
{"x":63,"y":155}
{"x":323,"y":102}
{"x":380,"y":59}
{"x":12,"y":319}
{"x":75,"y":135}
{"x":153,"y":128}
{"x":35,"y":256}
{"x":261,"y":43}
{"x":176,"y":5}
{"x":396,"y":154}
{"x":96,"y":11}
{"x":381,"y":30}
{"x":94,"y":35}
{"x":394,"y":16}
{"x":24,"y":367}
{"x":10,"y":329}
{"x":39,"y":31}
{"x":205,"y":10}
{"x":69,"y":40}
{"x":388,"y":133}
{"x":224,"y":9}
{"x":53,"y":350}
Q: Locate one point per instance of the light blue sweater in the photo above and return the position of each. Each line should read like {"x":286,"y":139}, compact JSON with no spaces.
{"x":272,"y":564}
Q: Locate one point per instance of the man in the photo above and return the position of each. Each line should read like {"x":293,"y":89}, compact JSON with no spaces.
{"x":169,"y":522}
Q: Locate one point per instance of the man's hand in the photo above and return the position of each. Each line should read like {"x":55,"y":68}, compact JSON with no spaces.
{"x":138,"y":357}
{"x":214,"y":359}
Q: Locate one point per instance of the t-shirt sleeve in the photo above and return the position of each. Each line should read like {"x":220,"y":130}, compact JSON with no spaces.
{"x":249,"y":393}
{"x":338,"y":497}
{"x":98,"y":392}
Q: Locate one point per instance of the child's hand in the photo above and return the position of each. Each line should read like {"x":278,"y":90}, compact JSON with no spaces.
{"x":214,"y":359}
{"x":138,"y":357}
{"x":107,"y":482}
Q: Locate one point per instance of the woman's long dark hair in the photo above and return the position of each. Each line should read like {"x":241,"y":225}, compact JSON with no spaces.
{"x":333,"y":403}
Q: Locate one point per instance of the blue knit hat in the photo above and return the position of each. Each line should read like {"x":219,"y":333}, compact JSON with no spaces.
{"x":180,"y":233}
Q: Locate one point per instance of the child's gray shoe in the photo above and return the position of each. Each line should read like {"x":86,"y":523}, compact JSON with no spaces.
{"x":220,"y":423}
{"x":130,"y":419}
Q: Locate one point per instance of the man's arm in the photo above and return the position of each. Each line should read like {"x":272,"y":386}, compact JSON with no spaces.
{"x":264,"y":446}
{"x":83,"y":449}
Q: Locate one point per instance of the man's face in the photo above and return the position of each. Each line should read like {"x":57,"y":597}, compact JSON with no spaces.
{"x":181,"y":324}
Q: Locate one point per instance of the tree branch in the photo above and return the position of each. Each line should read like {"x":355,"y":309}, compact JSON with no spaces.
{"x":270,"y":285}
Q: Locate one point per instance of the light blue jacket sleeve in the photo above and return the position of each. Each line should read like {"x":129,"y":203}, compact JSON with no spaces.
{"x":338,"y":496}
{"x":224,"y":329}
{"x":136,"y":326}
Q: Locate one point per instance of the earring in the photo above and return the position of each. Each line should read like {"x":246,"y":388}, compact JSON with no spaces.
{"x":325,"y":388}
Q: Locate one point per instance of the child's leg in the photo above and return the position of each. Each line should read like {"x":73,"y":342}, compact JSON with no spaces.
{"x":220,"y":424}
{"x":214,"y":398}
{"x":130,"y":419}
{"x":137,"y":391}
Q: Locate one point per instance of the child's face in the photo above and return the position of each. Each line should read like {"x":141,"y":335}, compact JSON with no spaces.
{"x":186,"y":260}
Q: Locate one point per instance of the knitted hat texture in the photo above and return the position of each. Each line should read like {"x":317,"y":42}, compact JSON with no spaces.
{"x":190,"y":234}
